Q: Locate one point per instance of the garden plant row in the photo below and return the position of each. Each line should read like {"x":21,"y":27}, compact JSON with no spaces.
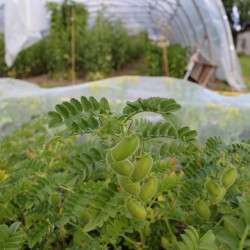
{"x":108,"y":180}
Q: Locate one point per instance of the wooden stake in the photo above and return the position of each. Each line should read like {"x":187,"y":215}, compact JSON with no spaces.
{"x":165,"y":49}
{"x":165,"y":59}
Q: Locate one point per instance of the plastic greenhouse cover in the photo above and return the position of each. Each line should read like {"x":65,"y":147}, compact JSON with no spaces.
{"x":190,"y":21}
{"x":208,"y":112}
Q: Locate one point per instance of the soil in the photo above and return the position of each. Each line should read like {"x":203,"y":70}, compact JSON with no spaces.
{"x":137,"y":67}
{"x":46,"y":81}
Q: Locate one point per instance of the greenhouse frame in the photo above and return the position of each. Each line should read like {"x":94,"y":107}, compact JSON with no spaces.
{"x":201,"y":25}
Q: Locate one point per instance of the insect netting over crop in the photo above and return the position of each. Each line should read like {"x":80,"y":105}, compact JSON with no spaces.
{"x":205,"y":111}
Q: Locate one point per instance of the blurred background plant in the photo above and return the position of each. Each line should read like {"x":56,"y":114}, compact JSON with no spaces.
{"x":176,"y":57}
{"x":101,"y":49}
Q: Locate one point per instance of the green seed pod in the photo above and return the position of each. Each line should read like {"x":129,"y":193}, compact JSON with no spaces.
{"x":150,"y":213}
{"x":202,"y":209}
{"x":149,"y":188}
{"x":217,"y":199}
{"x":124,"y":168}
{"x":84,"y":217}
{"x":228,"y":177}
{"x":129,"y":186}
{"x":142,"y":168}
{"x":125,"y":148}
{"x":213,"y":188}
{"x":54,"y":198}
{"x":136,"y":209}
{"x":109,"y":157}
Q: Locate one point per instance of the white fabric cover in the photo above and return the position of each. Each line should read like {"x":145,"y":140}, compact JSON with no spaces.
{"x":25,"y":20}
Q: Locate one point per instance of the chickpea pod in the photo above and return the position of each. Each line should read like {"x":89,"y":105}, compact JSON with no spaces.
{"x":202,"y":209}
{"x":213,"y":188}
{"x":149,"y":188}
{"x":142,"y":168}
{"x":125,"y":148}
{"x":136,"y":209}
{"x":128,"y":186}
{"x":55,"y":198}
{"x":228,"y":177}
{"x":124,"y":168}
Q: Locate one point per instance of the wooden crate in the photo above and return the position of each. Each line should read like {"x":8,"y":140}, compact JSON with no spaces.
{"x":200,"y":70}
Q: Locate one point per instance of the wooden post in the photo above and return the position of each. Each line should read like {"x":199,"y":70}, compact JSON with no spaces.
{"x":165,"y":59}
{"x":73,"y":44}
{"x":165,"y":50}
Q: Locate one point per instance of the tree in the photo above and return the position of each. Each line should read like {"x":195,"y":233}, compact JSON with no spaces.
{"x":243,"y":7}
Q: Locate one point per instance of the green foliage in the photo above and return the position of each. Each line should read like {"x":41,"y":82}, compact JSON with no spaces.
{"x":245,"y":67}
{"x":3,"y":66}
{"x":154,"y":60}
{"x":191,"y":240}
{"x":243,"y":7}
{"x":177,"y":60}
{"x":11,"y":237}
{"x":65,"y":18}
{"x":59,"y":183}
{"x":100,"y":49}
{"x":108,"y":47}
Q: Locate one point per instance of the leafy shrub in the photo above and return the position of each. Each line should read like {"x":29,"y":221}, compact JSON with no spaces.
{"x":3,"y":66}
{"x":154,"y":60}
{"x":60,"y":39}
{"x":100,"y":49}
{"x":68,"y":191}
{"x":109,"y":47}
{"x":177,"y":60}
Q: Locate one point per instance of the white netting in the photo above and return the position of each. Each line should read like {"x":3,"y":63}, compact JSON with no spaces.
{"x":208,"y":112}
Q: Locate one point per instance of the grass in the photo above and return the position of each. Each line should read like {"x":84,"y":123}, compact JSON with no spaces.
{"x":245,"y":67}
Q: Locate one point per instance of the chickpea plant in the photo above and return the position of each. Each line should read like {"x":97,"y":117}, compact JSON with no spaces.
{"x":111,"y":180}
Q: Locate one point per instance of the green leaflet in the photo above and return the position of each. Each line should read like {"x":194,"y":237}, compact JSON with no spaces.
{"x":11,"y":237}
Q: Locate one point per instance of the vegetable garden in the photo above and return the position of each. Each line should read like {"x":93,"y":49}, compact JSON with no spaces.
{"x":109,"y":180}
{"x":104,"y":48}
{"x":127,"y":162}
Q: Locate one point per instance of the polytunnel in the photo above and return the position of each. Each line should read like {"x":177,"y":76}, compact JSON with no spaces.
{"x":199,"y":24}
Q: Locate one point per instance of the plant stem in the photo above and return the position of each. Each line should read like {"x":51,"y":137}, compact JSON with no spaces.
{"x":129,"y":240}
{"x":218,"y":223}
{"x":243,"y":238}
{"x":65,"y":188}
{"x":169,"y":228}
{"x":53,"y":159}
{"x":75,"y":225}
{"x":142,"y":236}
